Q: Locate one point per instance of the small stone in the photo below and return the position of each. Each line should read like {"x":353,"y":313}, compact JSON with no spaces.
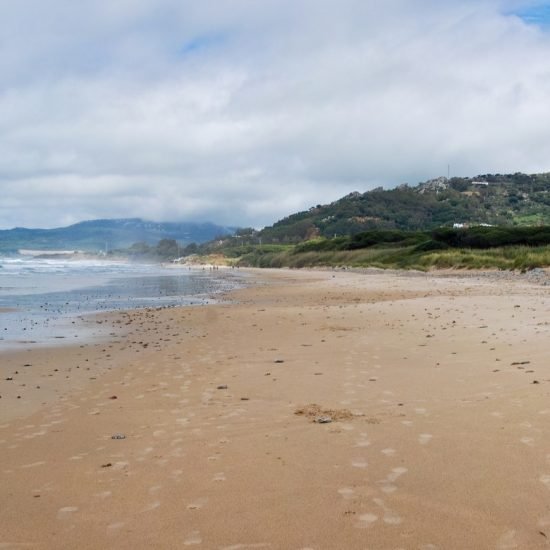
{"x":278,"y":361}
{"x":118,"y":436}
{"x":113,"y":397}
{"x":222,"y":387}
{"x":323,"y":420}
{"x":536,"y":382}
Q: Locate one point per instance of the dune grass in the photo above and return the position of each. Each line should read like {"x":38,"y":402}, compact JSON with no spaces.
{"x":508,"y":257}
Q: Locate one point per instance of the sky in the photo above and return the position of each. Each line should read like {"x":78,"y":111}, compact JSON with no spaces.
{"x":241,"y":112}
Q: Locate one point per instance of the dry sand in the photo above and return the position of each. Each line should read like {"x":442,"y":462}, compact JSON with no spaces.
{"x":438,"y":387}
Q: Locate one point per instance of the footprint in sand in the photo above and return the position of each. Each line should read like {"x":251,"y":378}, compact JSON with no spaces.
{"x":387,"y":485}
{"x":545,"y":480}
{"x":396,"y":473}
{"x":152,"y":506}
{"x":544,"y":521}
{"x":526,"y":425}
{"x":194,"y":537}
{"x":507,"y":540}
{"x":528,"y":441}
{"x":366,"y":520}
{"x":197,"y":504}
{"x":114,"y":527}
{"x":78,"y":457}
{"x":359,"y":463}
{"x":178,"y":453}
{"x":388,"y":452}
{"x":66,"y":512}
{"x":390,"y":517}
{"x":220,"y":476}
{"x":424,"y":438}
{"x":33,"y":464}
{"x":346,"y":492}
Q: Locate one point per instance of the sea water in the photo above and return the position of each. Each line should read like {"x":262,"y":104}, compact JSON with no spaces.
{"x":42,"y":300}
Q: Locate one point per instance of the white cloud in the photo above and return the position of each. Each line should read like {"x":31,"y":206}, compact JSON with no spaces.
{"x":243,"y":112}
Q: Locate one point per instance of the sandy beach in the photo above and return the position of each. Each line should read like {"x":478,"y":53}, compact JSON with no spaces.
{"x":197,"y":427}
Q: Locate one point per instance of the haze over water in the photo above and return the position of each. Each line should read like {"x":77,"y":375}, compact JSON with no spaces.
{"x":40,"y":299}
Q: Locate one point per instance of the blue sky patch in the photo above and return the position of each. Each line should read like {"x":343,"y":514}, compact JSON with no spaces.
{"x":538,"y":14}
{"x":202,"y":42}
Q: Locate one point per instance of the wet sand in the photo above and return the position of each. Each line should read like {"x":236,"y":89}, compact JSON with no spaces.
{"x":437,"y":386}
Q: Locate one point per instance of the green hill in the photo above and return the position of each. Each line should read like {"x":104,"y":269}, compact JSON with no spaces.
{"x":509,"y":200}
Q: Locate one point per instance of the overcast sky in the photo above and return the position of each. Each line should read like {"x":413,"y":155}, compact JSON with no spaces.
{"x":244,"y":111}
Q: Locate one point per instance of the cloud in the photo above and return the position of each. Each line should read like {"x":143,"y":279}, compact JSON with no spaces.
{"x":242,"y":112}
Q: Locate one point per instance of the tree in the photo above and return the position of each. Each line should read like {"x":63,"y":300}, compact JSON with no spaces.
{"x":168,"y":248}
{"x":190,"y":249}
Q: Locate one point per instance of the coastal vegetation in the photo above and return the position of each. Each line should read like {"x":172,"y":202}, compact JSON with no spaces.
{"x":520,"y":248}
{"x":489,"y":221}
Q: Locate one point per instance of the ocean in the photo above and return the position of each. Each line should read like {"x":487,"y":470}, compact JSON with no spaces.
{"x":42,"y":300}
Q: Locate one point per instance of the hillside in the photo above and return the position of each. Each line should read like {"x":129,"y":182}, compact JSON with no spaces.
{"x":97,"y":235}
{"x":516,"y":199}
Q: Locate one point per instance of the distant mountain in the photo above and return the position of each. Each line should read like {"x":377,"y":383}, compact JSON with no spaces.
{"x":97,"y":235}
{"x":516,"y":199}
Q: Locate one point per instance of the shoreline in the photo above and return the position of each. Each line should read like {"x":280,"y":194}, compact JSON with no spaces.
{"x":431,"y":381}
{"x":54,"y":315}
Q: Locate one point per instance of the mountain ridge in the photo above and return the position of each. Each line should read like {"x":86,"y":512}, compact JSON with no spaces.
{"x":100,"y":234}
